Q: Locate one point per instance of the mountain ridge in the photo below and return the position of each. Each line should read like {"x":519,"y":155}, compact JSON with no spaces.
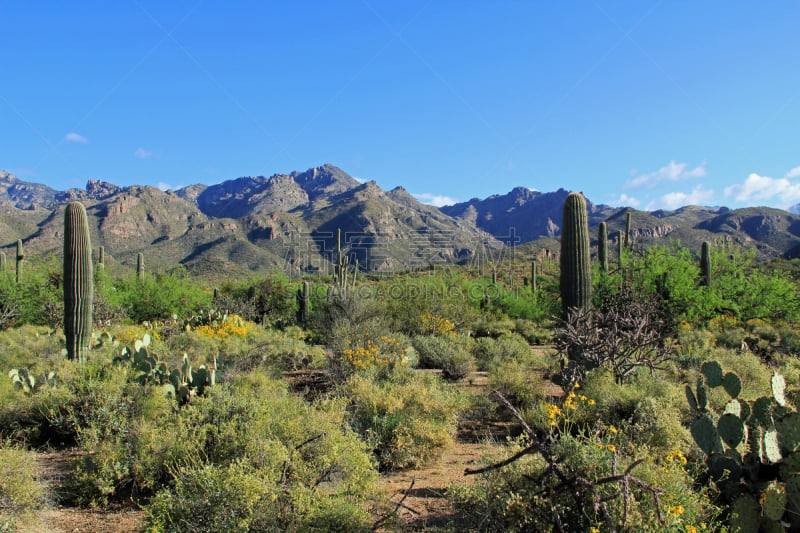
{"x":290,"y":221}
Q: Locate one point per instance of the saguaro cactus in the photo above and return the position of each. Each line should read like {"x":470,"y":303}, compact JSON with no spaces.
{"x":78,"y":282}
{"x":533,"y":275}
{"x":619,"y":250}
{"x":303,"y":298}
{"x":101,"y":258}
{"x":2,"y":261}
{"x":602,"y":246}
{"x":705,"y":264}
{"x":576,"y":271}
{"x":139,"y":265}
{"x":20,"y":257}
{"x":628,"y":230}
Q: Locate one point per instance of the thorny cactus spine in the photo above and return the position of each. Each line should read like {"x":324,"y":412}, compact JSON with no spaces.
{"x":576,"y":272}
{"x":602,"y":246}
{"x":78,"y":282}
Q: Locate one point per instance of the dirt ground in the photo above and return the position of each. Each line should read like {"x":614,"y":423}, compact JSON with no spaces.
{"x":421,"y":492}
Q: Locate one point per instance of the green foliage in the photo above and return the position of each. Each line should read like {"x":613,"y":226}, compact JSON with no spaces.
{"x":20,"y":488}
{"x":159,"y":297}
{"x":272,"y":462}
{"x":449,"y":353}
{"x":408,"y":420}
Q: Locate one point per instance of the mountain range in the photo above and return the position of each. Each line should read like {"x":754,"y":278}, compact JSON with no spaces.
{"x":291,"y":221}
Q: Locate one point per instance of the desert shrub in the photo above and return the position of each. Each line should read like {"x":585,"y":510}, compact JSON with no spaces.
{"x":489,"y":351}
{"x":533,"y":332}
{"x":415,"y":305}
{"x":626,"y":332}
{"x":451,"y":354}
{"x":731,"y":338}
{"x":347,"y":317}
{"x":570,"y":480}
{"x":158,"y":297}
{"x":279,"y":351}
{"x":790,"y":340}
{"x":272,"y":462}
{"x":20,"y":488}
{"x":408,"y":420}
{"x":514,"y":379}
{"x":239,"y":498}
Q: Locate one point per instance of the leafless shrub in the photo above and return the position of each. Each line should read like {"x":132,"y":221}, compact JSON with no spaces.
{"x":627,"y":331}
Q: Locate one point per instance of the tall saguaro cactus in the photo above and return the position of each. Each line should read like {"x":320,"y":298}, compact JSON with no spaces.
{"x":533,"y":275}
{"x":20,"y":258}
{"x":303,"y":299}
{"x":2,"y":262}
{"x":576,"y":270}
{"x":101,"y":258}
{"x":602,"y":246}
{"x":139,"y":265}
{"x":78,"y":282}
{"x":705,"y":264}
{"x":628,"y":230}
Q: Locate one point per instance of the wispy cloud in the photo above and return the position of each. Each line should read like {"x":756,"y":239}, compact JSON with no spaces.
{"x":672,"y":171}
{"x":674,"y":200}
{"x":75,"y":138}
{"x":625,"y":200}
{"x":360,"y":180}
{"x":794,"y":173}
{"x":141,"y":153}
{"x":765,"y":190}
{"x":165,"y":186}
{"x":434,"y":199}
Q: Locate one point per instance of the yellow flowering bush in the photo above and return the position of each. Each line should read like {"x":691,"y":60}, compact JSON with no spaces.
{"x":230,"y":326}
{"x":437,"y":325}
{"x":722,"y":322}
{"x":386,"y":352}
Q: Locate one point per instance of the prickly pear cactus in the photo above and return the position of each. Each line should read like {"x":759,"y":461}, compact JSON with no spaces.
{"x":752,"y":449}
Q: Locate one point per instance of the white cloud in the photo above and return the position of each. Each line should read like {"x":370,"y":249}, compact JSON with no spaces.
{"x":674,"y":200}
{"x":435,"y":199}
{"x":794,"y":173}
{"x":75,"y":138}
{"x":164,"y":186}
{"x":625,"y":200}
{"x":765,"y":190}
{"x":360,"y":180}
{"x":671,"y":172}
{"x":141,"y":153}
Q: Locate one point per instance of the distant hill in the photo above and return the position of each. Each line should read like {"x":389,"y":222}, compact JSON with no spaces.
{"x":251,"y":224}
{"x":290,"y":222}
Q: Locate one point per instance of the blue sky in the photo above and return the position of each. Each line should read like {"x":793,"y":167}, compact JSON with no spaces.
{"x":642,"y":103}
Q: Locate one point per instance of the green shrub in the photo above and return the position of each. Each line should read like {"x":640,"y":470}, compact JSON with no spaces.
{"x":489,"y":351}
{"x":20,"y":488}
{"x":277,"y":463}
{"x":408,"y":420}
